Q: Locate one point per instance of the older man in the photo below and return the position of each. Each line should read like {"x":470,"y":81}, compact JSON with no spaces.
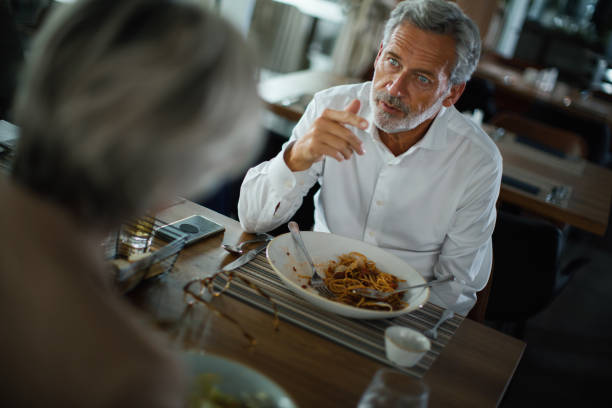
{"x":399,"y":166}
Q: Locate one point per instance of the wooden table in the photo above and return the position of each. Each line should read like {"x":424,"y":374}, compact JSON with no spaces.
{"x":564,"y":96}
{"x":588,"y":207}
{"x":287,"y":95}
{"x":473,"y":370}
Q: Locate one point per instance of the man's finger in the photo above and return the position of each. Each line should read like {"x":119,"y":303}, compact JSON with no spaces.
{"x":336,"y":130}
{"x":345,"y":117}
{"x":353,"y":107}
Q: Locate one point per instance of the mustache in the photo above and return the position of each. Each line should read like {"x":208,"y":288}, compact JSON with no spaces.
{"x":393,"y":101}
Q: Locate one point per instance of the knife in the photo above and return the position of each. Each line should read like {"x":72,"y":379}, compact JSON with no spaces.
{"x":244,"y":259}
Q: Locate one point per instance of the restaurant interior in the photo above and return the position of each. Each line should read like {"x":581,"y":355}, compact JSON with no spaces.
{"x":542,"y":91}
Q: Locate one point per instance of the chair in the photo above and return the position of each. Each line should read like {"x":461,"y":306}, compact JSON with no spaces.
{"x":596,"y":134}
{"x":543,"y":136}
{"x":527,"y":274}
{"x":479,"y":93}
{"x":479,"y":310}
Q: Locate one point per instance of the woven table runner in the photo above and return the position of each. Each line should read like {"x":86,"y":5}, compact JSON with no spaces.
{"x":363,"y":336}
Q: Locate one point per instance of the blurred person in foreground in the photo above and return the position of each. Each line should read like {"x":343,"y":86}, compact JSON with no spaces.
{"x":399,"y":167}
{"x":123,"y":105}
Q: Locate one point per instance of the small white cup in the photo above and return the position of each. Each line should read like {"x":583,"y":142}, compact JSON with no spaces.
{"x":405,"y":346}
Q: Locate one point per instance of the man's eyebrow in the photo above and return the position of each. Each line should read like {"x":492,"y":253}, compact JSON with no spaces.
{"x":416,"y":70}
{"x":394,"y":55}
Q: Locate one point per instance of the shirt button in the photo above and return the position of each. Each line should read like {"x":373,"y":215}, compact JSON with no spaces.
{"x":288,"y":184}
{"x":379,"y":202}
{"x":371,"y":233}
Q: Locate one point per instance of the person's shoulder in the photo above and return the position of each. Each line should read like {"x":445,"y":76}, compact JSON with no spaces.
{"x":337,"y":97}
{"x":465,"y":128}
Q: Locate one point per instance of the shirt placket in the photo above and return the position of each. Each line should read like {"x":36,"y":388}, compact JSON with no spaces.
{"x":374,"y":226}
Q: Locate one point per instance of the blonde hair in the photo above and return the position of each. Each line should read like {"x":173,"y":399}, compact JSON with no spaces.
{"x":126,"y":102}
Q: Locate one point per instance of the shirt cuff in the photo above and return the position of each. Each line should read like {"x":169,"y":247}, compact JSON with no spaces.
{"x":282,"y":177}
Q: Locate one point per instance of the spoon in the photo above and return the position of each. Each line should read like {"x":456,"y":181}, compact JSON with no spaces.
{"x":239,"y":249}
{"x":433,"y":332}
{"x":233,"y":249}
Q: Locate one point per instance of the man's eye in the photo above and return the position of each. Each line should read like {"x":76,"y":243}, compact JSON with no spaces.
{"x":393,"y":62}
{"x":423,"y":79}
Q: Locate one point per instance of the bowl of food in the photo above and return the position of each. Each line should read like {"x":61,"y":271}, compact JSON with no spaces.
{"x":346,"y":264}
{"x":218,"y":382}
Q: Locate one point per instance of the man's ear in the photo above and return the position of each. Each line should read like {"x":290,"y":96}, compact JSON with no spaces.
{"x":454,"y":95}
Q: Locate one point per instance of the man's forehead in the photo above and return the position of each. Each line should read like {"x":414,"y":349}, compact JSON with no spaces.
{"x":410,"y":42}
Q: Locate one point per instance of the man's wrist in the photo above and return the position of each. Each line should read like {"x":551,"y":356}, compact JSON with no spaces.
{"x":292,"y":162}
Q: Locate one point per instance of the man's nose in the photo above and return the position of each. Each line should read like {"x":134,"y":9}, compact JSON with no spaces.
{"x":396,"y":87}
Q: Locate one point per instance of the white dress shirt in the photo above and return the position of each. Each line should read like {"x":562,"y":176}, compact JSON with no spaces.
{"x":433,"y":205}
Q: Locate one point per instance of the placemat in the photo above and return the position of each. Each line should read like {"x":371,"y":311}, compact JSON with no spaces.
{"x":363,"y":336}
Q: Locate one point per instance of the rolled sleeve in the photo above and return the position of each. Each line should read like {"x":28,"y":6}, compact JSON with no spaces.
{"x":271,"y":193}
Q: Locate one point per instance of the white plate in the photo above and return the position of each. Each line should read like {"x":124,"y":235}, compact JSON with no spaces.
{"x":288,"y":262}
{"x":238,"y":380}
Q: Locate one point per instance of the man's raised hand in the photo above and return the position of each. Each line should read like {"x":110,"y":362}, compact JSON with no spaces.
{"x":328,"y":136}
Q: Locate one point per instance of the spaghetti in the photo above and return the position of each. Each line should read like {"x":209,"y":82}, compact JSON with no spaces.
{"x":354,"y":270}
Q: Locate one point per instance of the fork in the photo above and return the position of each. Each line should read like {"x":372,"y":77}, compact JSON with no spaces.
{"x":377,"y":294}
{"x":315,"y":280}
{"x":433,"y":332}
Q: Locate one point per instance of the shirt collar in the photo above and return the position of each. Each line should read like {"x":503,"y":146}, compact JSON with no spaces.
{"x":436,"y":136}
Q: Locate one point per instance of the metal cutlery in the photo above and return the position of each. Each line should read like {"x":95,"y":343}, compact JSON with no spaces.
{"x":315,"y":280}
{"x":376,"y":294}
{"x":243,"y":259}
{"x":234,"y":249}
{"x":240,"y":248}
{"x":433,"y":332}
{"x":558,"y":194}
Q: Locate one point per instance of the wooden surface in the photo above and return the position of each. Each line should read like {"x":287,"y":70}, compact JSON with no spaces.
{"x":473,"y":370}
{"x":588,"y":206}
{"x":563,"y":96}
{"x":280,"y":93}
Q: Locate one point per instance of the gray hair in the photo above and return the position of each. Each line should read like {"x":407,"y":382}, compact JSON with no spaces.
{"x":441,"y":17}
{"x":126,"y":103}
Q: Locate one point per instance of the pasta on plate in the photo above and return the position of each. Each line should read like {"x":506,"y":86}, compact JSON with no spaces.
{"x":354,"y":270}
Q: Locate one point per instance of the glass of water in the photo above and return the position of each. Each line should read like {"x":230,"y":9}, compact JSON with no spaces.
{"x":390,"y":389}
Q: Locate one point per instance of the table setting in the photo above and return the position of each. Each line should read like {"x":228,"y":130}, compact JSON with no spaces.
{"x":216,"y":302}
{"x":278,"y":282}
{"x":407,"y":340}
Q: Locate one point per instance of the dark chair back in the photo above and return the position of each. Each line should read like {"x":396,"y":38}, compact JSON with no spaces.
{"x":479,"y":93}
{"x":526,"y":253}
{"x":527,"y":274}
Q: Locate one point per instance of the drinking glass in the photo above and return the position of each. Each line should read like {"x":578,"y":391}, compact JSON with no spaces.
{"x":393,"y":389}
{"x":135,"y":237}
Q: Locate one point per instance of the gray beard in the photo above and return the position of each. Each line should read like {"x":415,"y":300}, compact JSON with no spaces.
{"x":390,"y":124}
